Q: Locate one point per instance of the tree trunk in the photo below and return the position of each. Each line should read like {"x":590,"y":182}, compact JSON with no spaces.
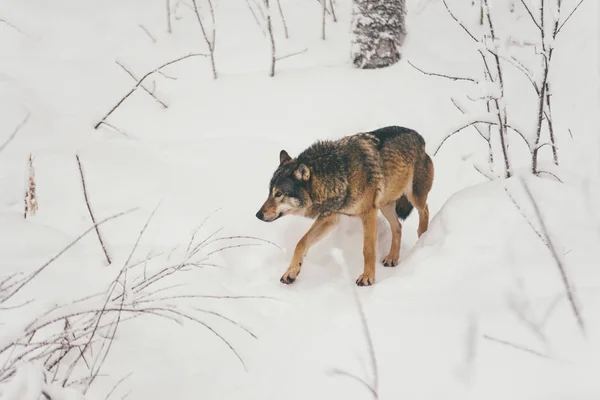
{"x":378,"y":32}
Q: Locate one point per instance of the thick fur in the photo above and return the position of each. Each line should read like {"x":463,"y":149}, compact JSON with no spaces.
{"x":386,"y":169}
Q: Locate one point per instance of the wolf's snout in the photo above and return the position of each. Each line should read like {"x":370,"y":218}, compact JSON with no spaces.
{"x":260,"y":215}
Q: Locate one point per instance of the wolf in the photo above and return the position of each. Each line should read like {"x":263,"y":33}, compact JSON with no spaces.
{"x":357,"y":175}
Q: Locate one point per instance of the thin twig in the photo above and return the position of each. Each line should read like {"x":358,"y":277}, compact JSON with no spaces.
{"x":291,"y":54}
{"x":14,"y":27}
{"x":117,"y":385}
{"x":374,"y":387}
{"x":60,"y":253}
{"x":256,"y":17}
{"x":558,"y":261}
{"x":228,"y":320}
{"x":272,"y":39}
{"x":463,"y":111}
{"x":210,"y":42}
{"x":337,"y":371}
{"x":148,"y":32}
{"x":114,"y":128}
{"x":87,"y":202}
{"x":569,"y":17}
{"x":458,"y":130}
{"x":142,"y":86}
{"x":139,"y":83}
{"x":454,"y":78}
{"x":530,"y":14}
{"x":332,"y":10}
{"x":169,"y":28}
{"x":14,"y":133}
{"x":516,"y":346}
{"x":285,"y":28}
{"x":324,"y":18}
{"x":459,"y":22}
{"x":500,"y":105}
{"x":520,"y":209}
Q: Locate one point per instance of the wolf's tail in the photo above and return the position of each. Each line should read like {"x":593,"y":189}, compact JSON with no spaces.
{"x":403,"y":207}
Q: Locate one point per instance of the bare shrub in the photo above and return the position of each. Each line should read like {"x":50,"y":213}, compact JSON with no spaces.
{"x":495,"y":59}
{"x":72,"y":341}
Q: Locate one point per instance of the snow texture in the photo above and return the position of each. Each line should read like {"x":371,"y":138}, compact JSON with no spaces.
{"x":478,"y":306}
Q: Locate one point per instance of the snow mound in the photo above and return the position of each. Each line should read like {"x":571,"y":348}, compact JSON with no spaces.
{"x":476,"y":310}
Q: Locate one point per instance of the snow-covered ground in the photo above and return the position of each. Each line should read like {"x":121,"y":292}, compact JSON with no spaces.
{"x":477,"y":307}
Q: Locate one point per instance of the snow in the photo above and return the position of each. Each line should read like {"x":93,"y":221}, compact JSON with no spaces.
{"x":466,"y":315}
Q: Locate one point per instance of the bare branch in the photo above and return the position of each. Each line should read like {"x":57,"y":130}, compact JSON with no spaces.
{"x":516,"y":346}
{"x":14,"y":27}
{"x":458,"y":130}
{"x":228,"y":320}
{"x":210,"y":42}
{"x":256,"y":17}
{"x":141,"y":80}
{"x":169,"y":28}
{"x":569,"y":17}
{"x":119,"y":381}
{"x":454,"y":78}
{"x":114,"y":128}
{"x":520,"y":209}
{"x":148,"y":32}
{"x":374,"y":387}
{"x":530,"y":14}
{"x":272,"y":39}
{"x":459,"y":22}
{"x":285,"y":28}
{"x":519,"y":65}
{"x":552,"y":174}
{"x":479,"y":130}
{"x":488,"y":175}
{"x":14,"y":133}
{"x":142,"y":86}
{"x":558,"y":261}
{"x":332,"y":10}
{"x":87,"y":202}
{"x":60,"y":253}
{"x":548,"y":115}
{"x":324,"y":19}
{"x":500,"y":106}
{"x":337,"y":371}
{"x":291,"y":55}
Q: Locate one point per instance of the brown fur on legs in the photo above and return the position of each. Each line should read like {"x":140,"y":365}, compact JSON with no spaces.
{"x":317,"y":231}
{"x":369,"y":223}
{"x":389,"y":212}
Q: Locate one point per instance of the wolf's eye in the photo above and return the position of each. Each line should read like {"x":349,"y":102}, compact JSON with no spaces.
{"x":278,"y":194}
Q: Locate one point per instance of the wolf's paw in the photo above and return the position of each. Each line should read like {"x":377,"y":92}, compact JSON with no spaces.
{"x":390,"y":261}
{"x":290,"y":276}
{"x":365,"y":280}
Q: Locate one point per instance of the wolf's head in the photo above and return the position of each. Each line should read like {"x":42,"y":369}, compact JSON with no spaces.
{"x":288,"y":190}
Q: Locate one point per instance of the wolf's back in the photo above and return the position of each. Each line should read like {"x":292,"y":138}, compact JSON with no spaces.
{"x":398,"y":137}
{"x":409,"y":145}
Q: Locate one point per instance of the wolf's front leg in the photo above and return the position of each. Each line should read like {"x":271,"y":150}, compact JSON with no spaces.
{"x":369,"y":221}
{"x":317,"y":231}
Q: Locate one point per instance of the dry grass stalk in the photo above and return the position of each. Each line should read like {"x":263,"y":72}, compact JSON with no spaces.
{"x":31,"y":201}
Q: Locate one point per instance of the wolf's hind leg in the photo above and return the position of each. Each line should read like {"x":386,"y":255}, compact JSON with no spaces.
{"x":369,"y":221}
{"x":422,"y":183}
{"x":317,"y":231}
{"x":389,"y":212}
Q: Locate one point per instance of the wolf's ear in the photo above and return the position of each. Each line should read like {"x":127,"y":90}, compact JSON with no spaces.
{"x":302,"y":173}
{"x":284,"y":157}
